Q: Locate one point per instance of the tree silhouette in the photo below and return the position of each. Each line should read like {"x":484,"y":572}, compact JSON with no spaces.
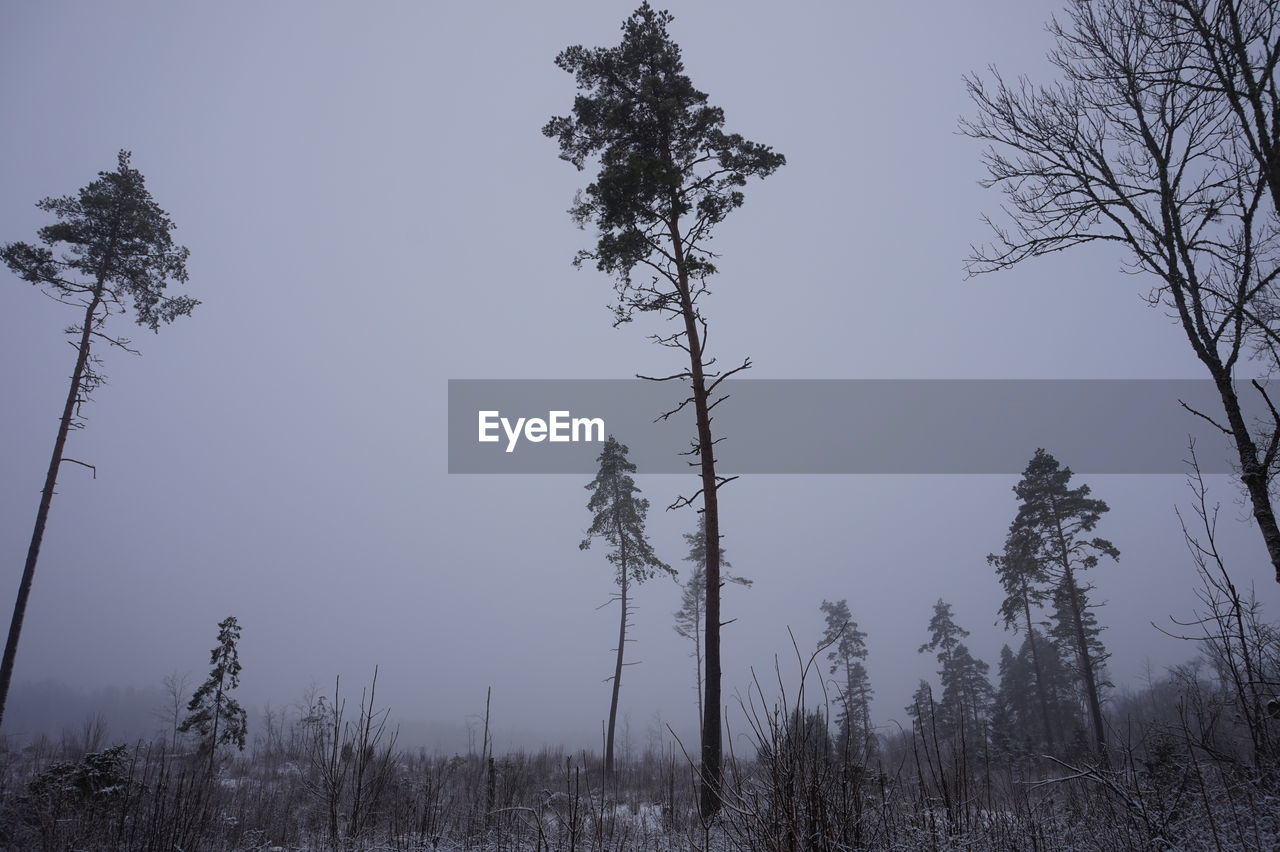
{"x":110,"y":251}
{"x":1054,"y":522}
{"x":1144,"y":143}
{"x":1024,"y":580}
{"x":693,"y":596}
{"x":213,"y":713}
{"x":847,"y":657}
{"x":966,"y":691}
{"x":618,"y":517}
{"x":668,"y":175}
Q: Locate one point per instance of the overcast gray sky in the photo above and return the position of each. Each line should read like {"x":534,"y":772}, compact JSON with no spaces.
{"x":372,"y":210}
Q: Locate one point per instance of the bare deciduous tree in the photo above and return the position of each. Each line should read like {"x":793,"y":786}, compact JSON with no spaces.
{"x":175,"y":692}
{"x":1139,"y":145}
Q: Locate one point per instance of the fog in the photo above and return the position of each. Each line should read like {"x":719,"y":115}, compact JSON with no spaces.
{"x":372,"y":211}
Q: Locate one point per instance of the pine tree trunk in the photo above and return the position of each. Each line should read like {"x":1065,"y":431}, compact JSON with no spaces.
{"x":711,"y":737}
{"x":623,"y":572}
{"x":617,"y":682}
{"x":1086,"y":669}
{"x":1049,"y":738}
{"x":46,"y":496}
{"x":1082,"y":642}
{"x":847,"y":732}
{"x":213,"y":740}
{"x":697,"y":651}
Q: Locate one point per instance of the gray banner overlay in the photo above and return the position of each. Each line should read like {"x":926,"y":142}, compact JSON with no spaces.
{"x":806,"y":426}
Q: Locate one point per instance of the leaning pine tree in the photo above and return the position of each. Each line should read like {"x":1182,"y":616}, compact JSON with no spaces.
{"x":109,"y":252}
{"x":668,"y":175}
{"x":618,"y":516}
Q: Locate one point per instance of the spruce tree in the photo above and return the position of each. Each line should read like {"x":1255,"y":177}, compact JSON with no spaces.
{"x":1033,"y":687}
{"x":923,"y":710}
{"x":669,"y":174}
{"x":1060,"y":682}
{"x":1007,"y":734}
{"x":1025,"y":580}
{"x":618,"y":516}
{"x":110,"y":252}
{"x":212,"y":712}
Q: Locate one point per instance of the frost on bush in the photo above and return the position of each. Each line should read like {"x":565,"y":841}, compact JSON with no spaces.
{"x":62,"y":794}
{"x":98,"y":776}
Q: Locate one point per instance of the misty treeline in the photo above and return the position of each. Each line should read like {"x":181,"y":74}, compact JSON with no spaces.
{"x":1159,"y":135}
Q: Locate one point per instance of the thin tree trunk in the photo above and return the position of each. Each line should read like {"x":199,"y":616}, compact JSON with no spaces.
{"x":1086,"y":669}
{"x":1082,"y":642}
{"x":46,"y":496}
{"x":617,"y":683}
{"x":1049,"y":738}
{"x":213,"y":740}
{"x":623,"y":570}
{"x":711,"y":737}
{"x":848,"y":707}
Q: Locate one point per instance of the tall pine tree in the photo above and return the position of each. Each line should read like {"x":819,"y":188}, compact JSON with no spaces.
{"x":669,"y":174}
{"x":1053,"y":526}
{"x":110,"y":252}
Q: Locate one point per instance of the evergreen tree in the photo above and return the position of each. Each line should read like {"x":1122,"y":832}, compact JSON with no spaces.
{"x":669,"y":174}
{"x":113,"y":253}
{"x":923,"y":709}
{"x":1053,"y":525}
{"x":1064,"y":628}
{"x":798,"y":747}
{"x":1006,"y":722}
{"x":966,"y":690}
{"x":1060,"y":683}
{"x":688,"y":618}
{"x":1033,"y":686}
{"x":618,"y":516}
{"x":1024,"y":579}
{"x":693,"y":596}
{"x":847,"y":655}
{"x":212,"y":712}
